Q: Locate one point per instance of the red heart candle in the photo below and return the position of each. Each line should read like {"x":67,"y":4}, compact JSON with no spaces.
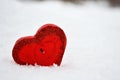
{"x":45,"y":48}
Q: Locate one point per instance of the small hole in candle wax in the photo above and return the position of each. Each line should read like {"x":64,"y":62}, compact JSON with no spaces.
{"x":41,"y":50}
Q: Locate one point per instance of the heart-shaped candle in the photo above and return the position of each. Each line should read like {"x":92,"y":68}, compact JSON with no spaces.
{"x":45,"y":48}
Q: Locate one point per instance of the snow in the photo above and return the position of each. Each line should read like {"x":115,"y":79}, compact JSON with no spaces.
{"x":93,"y":40}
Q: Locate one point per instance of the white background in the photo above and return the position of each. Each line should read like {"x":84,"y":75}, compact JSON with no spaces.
{"x":93,"y":39}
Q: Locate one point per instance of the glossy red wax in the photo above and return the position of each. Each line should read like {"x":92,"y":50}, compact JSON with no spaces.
{"x":45,"y":48}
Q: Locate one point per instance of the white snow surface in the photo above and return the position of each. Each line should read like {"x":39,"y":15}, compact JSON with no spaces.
{"x":93,"y":40}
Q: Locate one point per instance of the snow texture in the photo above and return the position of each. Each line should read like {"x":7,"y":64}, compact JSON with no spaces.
{"x":93,"y":40}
